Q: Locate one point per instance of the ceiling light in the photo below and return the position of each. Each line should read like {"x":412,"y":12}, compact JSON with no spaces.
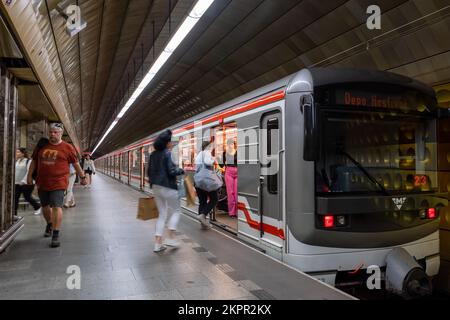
{"x":189,"y":22}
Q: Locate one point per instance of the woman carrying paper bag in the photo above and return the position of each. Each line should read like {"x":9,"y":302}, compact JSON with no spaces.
{"x":163,"y":174}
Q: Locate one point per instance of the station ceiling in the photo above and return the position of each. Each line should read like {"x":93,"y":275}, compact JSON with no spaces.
{"x":237,"y":46}
{"x":33,"y":105}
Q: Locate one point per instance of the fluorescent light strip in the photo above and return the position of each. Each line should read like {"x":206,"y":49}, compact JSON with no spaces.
{"x":189,"y":22}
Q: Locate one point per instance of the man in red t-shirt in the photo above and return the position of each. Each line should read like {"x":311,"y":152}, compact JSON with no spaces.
{"x":52,"y":162}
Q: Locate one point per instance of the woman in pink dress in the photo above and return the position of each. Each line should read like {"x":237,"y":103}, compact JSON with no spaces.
{"x":231,"y":177}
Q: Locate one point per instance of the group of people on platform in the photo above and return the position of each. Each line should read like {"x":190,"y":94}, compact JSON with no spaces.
{"x":163,"y":174}
{"x":53,"y":168}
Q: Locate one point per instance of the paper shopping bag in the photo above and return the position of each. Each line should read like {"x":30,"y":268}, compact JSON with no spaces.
{"x":190,"y":191}
{"x":147,"y":209}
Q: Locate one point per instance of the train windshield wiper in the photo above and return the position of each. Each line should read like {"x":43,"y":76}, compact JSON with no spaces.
{"x":368,"y":175}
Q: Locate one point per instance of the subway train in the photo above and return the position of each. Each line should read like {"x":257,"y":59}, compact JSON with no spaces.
{"x":337,"y":173}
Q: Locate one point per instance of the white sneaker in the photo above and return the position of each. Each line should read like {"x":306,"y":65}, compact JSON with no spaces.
{"x":37,"y":212}
{"x":159,"y":247}
{"x":172,"y":243}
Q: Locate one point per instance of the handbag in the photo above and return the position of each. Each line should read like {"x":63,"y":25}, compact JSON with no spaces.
{"x":207,"y":179}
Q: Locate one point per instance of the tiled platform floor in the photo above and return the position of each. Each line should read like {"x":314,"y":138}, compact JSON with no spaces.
{"x":113,"y":250}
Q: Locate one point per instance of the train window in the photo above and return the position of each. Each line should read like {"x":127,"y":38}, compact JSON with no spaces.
{"x":187,"y":152}
{"x":272,"y":145}
{"x":148,"y":149}
{"x":372,"y":152}
{"x":124,"y":166}
{"x":222,"y":135}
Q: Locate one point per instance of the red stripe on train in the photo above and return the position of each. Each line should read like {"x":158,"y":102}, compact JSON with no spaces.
{"x":277,"y":96}
{"x":256,"y":225}
{"x":241,"y":109}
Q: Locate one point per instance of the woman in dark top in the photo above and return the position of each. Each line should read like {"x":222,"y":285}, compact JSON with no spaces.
{"x":231,"y":176}
{"x":163,"y":181}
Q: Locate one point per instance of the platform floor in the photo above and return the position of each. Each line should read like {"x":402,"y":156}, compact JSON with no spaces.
{"x":113,"y":250}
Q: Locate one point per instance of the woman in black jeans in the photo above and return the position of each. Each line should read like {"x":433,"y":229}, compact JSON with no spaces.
{"x":204,"y":158}
{"x":22,"y":166}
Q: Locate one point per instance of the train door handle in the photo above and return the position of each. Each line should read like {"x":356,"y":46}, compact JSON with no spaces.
{"x":260,"y":190}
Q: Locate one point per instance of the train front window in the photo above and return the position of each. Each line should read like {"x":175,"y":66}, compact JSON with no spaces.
{"x":376,"y":152}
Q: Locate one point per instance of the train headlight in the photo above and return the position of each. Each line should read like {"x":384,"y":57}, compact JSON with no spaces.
{"x":340,"y":221}
{"x":423,"y":213}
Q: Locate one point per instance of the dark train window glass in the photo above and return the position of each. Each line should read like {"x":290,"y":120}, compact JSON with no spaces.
{"x":395,"y":149}
{"x":272,"y":180}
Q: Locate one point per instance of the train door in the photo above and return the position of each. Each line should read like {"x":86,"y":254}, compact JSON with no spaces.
{"x":128,"y":154}
{"x":114,"y":158}
{"x":270,"y":191}
{"x":141,"y":168}
{"x":225,"y":141}
{"x":119,"y":166}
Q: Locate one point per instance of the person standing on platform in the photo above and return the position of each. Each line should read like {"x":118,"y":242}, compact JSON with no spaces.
{"x":89,"y":169}
{"x":52,"y":162}
{"x":163,"y":173}
{"x":22,"y":166}
{"x":205,"y":158}
{"x":231,"y":177}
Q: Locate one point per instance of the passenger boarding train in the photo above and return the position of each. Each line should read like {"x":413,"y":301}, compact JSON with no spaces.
{"x":356,"y":183}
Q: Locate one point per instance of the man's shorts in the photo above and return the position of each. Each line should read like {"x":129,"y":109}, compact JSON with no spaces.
{"x":89,"y":172}
{"x":54,"y":199}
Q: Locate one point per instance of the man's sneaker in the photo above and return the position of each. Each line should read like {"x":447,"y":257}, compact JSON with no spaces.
{"x":159,"y":247}
{"x":48,"y":231}
{"x":55,"y":242}
{"x":37,"y":212}
{"x":172,"y":243}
